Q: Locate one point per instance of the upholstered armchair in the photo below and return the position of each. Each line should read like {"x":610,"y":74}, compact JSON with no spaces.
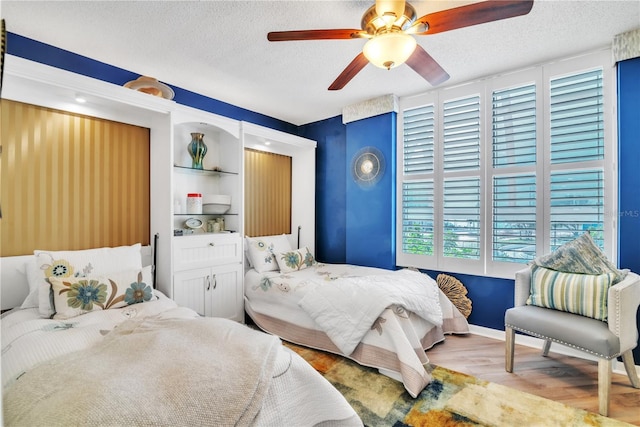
{"x":616,"y":336}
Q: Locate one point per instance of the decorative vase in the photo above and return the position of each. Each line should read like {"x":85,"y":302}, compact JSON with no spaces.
{"x":197,"y":149}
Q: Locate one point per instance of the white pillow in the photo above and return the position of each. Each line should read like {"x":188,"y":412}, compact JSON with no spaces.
{"x":74,"y":296}
{"x":31,"y":301}
{"x":77,"y":264}
{"x":261,"y":250}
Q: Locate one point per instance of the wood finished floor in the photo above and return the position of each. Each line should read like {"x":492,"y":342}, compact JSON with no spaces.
{"x":565,"y":379}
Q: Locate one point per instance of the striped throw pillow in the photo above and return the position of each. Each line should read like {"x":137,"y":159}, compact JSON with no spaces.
{"x":584,"y":294}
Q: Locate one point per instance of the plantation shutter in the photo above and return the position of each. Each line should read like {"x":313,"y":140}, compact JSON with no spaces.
{"x":462,"y":134}
{"x":462,"y":218}
{"x":514,"y":195}
{"x":417,"y":195}
{"x":514,"y":218}
{"x":577,"y":205}
{"x":461,"y":205}
{"x":418,"y":140}
{"x":577,"y":118}
{"x":514,"y":126}
{"x":577,"y":135}
{"x":417,"y":217}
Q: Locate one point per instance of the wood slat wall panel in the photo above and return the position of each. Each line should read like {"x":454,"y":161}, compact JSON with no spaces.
{"x":267,"y":193}
{"x":71,"y":182}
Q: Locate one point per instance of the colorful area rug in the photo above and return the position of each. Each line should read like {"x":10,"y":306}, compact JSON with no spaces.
{"x":451,"y":399}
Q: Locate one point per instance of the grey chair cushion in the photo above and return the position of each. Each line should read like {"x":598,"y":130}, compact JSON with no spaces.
{"x":584,"y":333}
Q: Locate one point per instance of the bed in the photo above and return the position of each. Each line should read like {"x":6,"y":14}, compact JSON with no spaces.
{"x":379,"y":318}
{"x":148,"y":361}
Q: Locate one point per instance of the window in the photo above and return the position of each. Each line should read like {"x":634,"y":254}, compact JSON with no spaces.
{"x":495,"y":173}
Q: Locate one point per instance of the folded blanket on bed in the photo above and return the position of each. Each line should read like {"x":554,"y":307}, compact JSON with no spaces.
{"x":346,"y":308}
{"x":151,"y":371}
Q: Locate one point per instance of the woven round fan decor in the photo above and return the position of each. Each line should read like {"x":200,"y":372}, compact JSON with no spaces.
{"x":456,"y":292}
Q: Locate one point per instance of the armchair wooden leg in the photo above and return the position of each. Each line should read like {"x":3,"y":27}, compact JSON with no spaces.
{"x":546,"y":347}
{"x":509,"y":343}
{"x":604,"y":385}
{"x":629,"y":365}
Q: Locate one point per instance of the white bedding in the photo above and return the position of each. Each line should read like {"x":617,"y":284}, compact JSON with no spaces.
{"x":331,"y":304}
{"x":33,"y":347}
{"x":394,"y":343}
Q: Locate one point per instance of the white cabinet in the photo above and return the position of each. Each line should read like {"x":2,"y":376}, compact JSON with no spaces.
{"x":208,"y":274}
{"x":207,"y":268}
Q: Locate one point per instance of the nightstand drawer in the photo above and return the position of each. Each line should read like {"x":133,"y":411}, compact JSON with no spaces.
{"x":206,"y":250}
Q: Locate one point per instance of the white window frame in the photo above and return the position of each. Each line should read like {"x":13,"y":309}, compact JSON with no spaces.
{"x":541,"y":76}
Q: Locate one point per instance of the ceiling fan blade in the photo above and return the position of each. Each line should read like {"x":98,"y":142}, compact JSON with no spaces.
{"x":338,"y":34}
{"x":352,"y":69}
{"x":472,"y":14}
{"x":424,"y":64}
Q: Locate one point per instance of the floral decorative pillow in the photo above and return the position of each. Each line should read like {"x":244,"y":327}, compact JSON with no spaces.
{"x":261,"y":250}
{"x":74,"y":296}
{"x":295,"y":260}
{"x":76,"y":264}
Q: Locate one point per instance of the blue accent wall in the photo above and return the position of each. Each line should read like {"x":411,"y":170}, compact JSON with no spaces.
{"x":331,"y":197}
{"x":629,"y":178}
{"x":370,"y":232}
{"x":629,"y":158}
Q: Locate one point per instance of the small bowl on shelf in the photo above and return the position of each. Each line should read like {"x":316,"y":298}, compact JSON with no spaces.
{"x":214,"y":208}
{"x":216,"y":204}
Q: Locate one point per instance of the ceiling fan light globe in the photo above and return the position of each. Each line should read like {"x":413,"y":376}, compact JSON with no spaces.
{"x":389,"y":50}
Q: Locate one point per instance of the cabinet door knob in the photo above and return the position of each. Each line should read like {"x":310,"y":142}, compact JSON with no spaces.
{"x":212,"y":244}
{"x":209,"y":283}
{"x":215,"y":281}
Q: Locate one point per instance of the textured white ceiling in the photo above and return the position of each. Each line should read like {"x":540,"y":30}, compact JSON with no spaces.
{"x":220,"y":49}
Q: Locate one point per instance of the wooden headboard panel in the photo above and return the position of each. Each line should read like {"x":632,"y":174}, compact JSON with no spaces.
{"x":14,"y":287}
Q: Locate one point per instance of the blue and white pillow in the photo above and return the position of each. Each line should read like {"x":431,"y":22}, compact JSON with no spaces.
{"x":261,"y":251}
{"x":74,"y":296}
{"x":582,"y":256}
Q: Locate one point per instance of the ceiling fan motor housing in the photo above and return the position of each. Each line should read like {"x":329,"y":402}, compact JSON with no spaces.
{"x":373,"y":23}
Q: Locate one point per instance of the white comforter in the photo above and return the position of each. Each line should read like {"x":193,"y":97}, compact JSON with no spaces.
{"x":29,"y":340}
{"x":331,"y":304}
{"x":295,"y":393}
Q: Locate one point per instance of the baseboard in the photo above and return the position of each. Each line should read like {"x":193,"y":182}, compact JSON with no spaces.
{"x":618,"y":366}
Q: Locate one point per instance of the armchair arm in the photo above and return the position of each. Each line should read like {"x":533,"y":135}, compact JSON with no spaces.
{"x":522,"y":286}
{"x":623,"y":302}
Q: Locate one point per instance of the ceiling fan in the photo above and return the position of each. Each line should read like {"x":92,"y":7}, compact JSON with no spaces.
{"x":390,"y":26}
